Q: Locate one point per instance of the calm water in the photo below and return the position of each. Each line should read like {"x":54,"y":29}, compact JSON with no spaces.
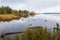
{"x":37,"y":20}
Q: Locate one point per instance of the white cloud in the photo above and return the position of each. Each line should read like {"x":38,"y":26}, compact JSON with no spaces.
{"x":33,"y":5}
{"x":18,"y":6}
{"x":52,"y":10}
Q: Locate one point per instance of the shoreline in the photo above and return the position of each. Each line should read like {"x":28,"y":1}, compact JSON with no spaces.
{"x":8,"y":17}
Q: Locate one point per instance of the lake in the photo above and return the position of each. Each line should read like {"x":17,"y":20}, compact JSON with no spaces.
{"x":45,"y":20}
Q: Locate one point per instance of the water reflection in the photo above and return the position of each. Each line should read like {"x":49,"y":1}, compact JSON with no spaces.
{"x":37,"y":20}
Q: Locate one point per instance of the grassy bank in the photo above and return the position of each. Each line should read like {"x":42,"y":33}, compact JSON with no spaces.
{"x":8,"y":17}
{"x":37,"y":33}
{"x":40,"y":33}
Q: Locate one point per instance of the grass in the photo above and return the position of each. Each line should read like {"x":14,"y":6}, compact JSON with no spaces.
{"x":38,"y":33}
{"x":8,"y":17}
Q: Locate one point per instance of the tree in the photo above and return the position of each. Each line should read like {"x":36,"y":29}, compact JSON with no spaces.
{"x":5,"y":11}
{"x":8,"y":9}
{"x":20,"y":13}
{"x":25,"y":13}
{"x":0,"y":10}
{"x":32,"y":13}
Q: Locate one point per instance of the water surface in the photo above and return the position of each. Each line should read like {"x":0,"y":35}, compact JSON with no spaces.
{"x":46,"y":20}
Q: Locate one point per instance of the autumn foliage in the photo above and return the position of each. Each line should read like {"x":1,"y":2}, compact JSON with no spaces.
{"x":32,"y":13}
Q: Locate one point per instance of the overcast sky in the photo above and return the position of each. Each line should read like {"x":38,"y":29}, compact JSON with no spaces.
{"x":39,"y":6}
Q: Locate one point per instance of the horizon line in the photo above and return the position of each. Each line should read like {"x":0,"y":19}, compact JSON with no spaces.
{"x":48,"y":13}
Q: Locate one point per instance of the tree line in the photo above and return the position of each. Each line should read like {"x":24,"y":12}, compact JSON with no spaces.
{"x":21,"y":13}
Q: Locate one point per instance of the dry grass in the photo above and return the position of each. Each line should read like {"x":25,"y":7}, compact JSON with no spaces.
{"x":7,"y":17}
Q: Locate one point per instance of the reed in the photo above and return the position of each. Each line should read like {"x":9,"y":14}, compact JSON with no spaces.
{"x":8,"y":17}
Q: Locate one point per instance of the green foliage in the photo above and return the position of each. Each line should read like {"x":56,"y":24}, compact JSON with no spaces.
{"x":8,"y":10}
{"x":0,"y":10}
{"x":26,"y":13}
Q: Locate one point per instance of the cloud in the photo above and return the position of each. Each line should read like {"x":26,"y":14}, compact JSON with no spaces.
{"x":41,"y":5}
{"x":32,"y":5}
{"x":12,"y":1}
{"x":18,"y":6}
{"x":55,"y":9}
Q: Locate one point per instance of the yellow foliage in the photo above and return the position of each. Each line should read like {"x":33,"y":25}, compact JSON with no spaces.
{"x":32,"y":13}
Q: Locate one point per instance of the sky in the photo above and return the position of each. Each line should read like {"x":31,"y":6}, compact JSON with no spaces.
{"x":38,"y":6}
